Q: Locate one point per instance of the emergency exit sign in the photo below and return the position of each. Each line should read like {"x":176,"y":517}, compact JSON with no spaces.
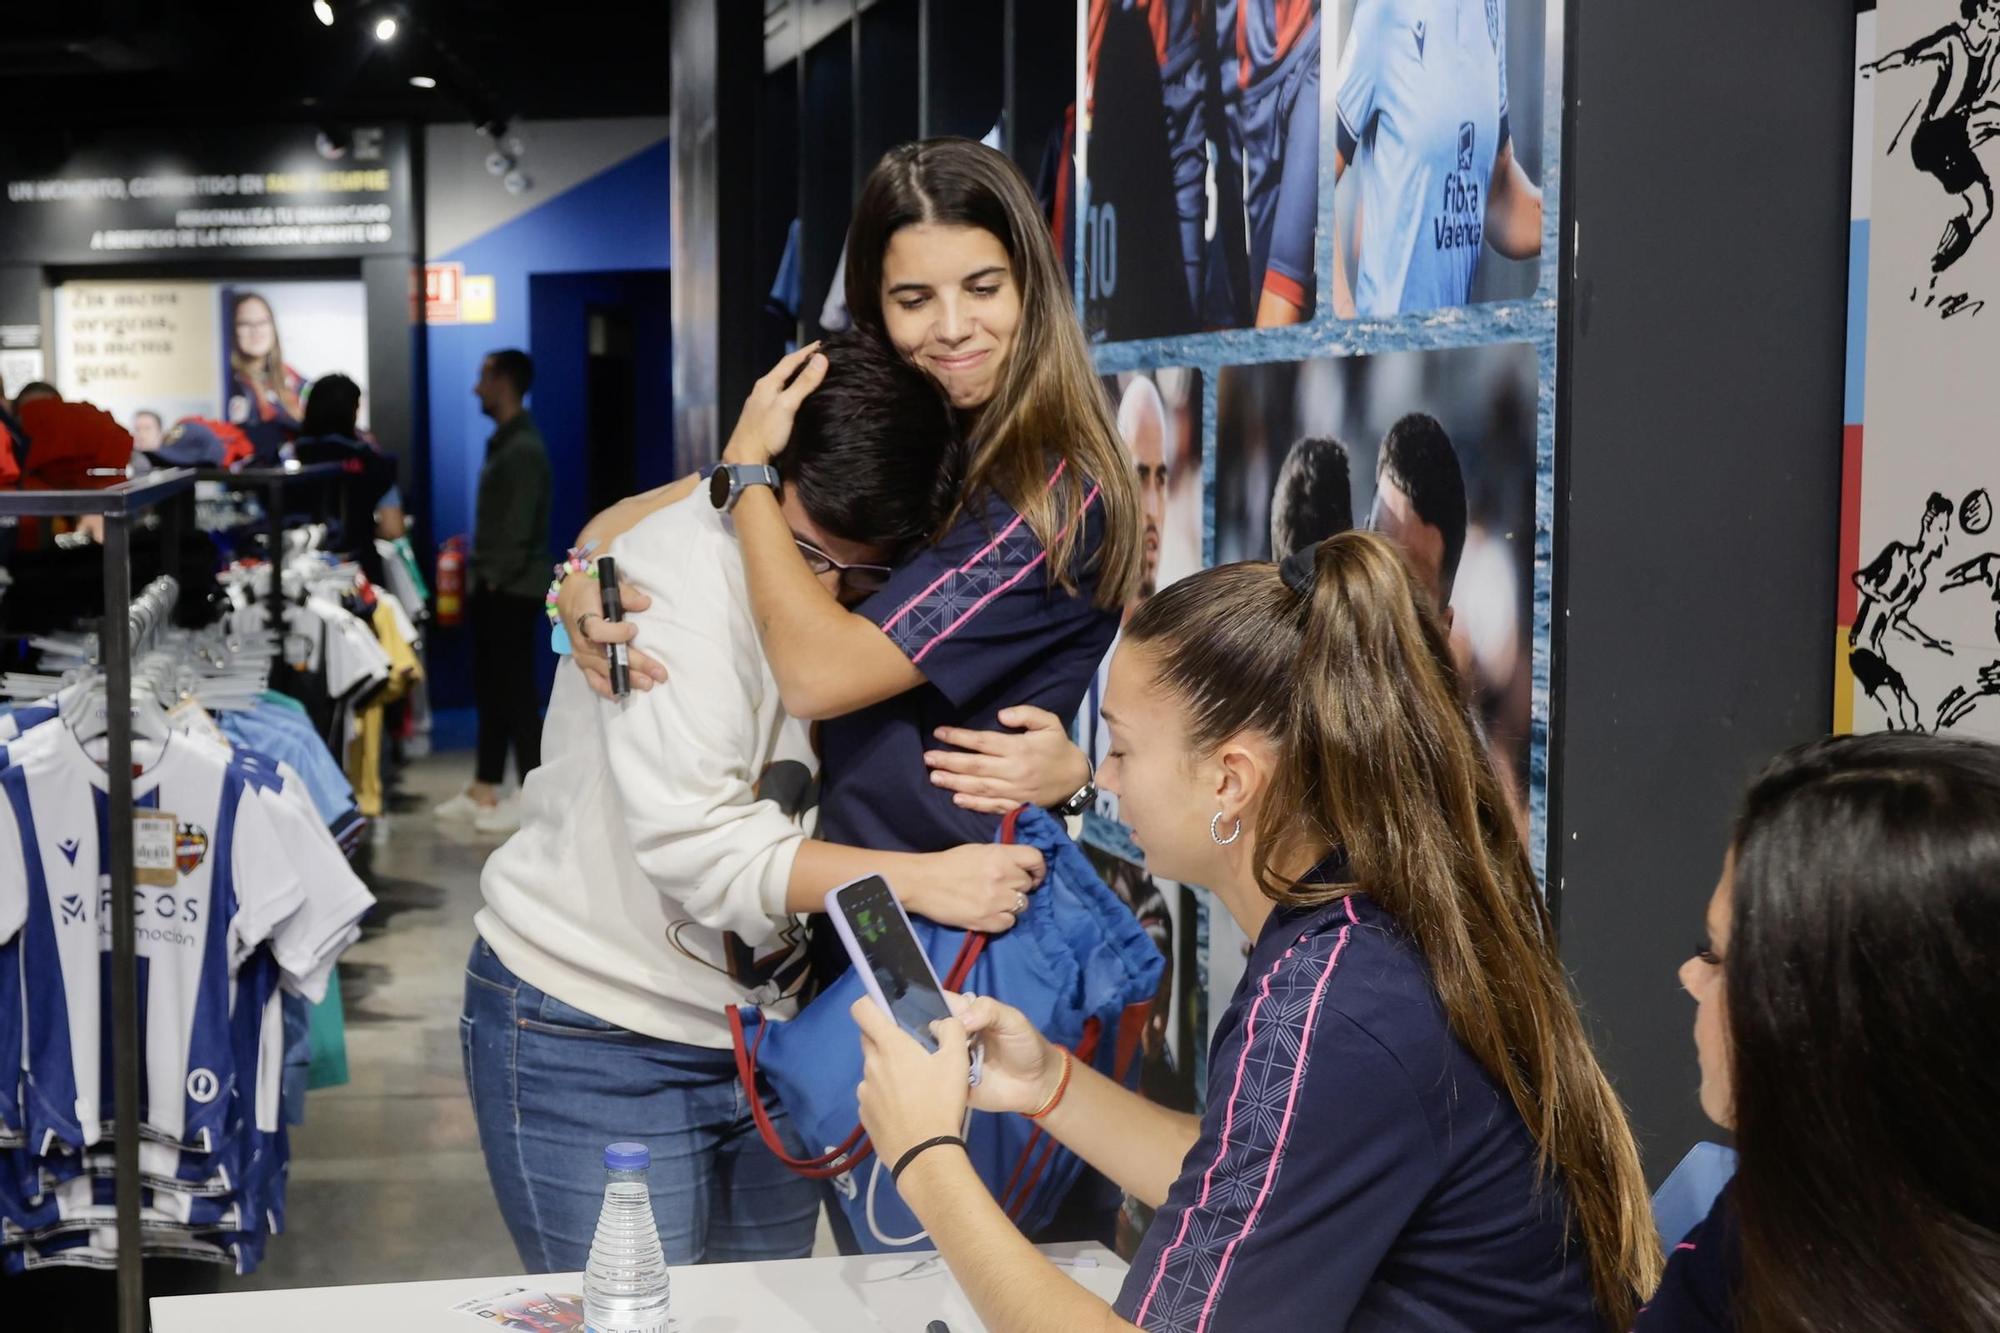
{"x":444,"y":286}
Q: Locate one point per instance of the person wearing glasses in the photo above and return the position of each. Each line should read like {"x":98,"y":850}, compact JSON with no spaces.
{"x":660,"y":864}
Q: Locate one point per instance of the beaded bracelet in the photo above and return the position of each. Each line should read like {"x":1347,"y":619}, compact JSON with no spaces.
{"x":577,"y":561}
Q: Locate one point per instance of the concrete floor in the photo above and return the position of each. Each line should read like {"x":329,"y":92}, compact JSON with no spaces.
{"x":387,"y":1184}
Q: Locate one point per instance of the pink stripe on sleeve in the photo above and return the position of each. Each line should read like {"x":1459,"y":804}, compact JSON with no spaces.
{"x":1222,"y":1145}
{"x":1285,"y":1125}
{"x":980,"y":605}
{"x":983,"y":552}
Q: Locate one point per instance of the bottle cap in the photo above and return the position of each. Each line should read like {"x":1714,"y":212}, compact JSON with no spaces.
{"x":627,"y":1157}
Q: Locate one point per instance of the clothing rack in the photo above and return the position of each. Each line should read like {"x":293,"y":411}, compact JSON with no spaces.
{"x":118,"y":645}
{"x":272,"y":482}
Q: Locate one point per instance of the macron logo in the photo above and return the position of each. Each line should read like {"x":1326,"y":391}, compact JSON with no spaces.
{"x":72,"y":907}
{"x":1420,"y":41}
{"x":69,"y":848}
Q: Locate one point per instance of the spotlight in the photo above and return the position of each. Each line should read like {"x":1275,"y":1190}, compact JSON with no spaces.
{"x":499,"y":163}
{"x":385,"y":28}
{"x":422,"y":81}
{"x":517,"y":181}
{"x":323,"y":11}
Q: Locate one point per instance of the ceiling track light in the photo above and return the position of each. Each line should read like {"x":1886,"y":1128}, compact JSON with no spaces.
{"x":323,"y":11}
{"x":422,"y":81}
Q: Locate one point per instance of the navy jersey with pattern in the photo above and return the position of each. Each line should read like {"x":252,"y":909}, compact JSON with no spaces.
{"x":1357,"y":1169}
{"x":984,"y":621}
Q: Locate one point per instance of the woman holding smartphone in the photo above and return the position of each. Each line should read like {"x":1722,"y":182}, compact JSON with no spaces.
{"x":1405,"y":1125}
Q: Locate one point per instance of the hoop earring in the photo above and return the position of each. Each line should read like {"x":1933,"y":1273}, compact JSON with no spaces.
{"x":1215,"y":830}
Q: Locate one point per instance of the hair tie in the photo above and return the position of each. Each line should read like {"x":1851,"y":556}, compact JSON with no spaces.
{"x":1300,"y":569}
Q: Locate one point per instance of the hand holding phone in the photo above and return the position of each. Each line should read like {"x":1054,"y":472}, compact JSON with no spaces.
{"x":890,"y":959}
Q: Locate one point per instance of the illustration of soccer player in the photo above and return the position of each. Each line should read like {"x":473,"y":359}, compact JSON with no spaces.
{"x":1962,"y":700}
{"x":1957,"y":118}
{"x":1421,"y":118}
{"x":1889,"y":588}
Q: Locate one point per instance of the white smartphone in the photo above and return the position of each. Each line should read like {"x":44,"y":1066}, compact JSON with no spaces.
{"x":890,"y":959}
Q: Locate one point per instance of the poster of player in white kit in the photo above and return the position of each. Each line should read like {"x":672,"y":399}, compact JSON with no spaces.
{"x":1918,"y":646}
{"x":1199,"y":136}
{"x":1437,"y":125}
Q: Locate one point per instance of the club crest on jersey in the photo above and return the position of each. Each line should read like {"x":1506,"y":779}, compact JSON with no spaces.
{"x":190,"y":847}
{"x":1467,"y":137}
{"x":1493,"y":22}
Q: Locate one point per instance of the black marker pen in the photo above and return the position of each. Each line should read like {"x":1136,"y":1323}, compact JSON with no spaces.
{"x":614,"y":611}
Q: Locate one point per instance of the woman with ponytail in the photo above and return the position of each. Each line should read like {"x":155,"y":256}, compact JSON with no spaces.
{"x":1405,"y":1125}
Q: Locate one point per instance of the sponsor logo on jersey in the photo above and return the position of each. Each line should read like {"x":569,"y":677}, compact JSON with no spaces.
{"x":190,"y":847}
{"x":69,"y":849}
{"x":1460,"y":222}
{"x":72,"y":907}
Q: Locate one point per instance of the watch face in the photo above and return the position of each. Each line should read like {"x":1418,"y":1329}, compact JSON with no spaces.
{"x":719,"y":487}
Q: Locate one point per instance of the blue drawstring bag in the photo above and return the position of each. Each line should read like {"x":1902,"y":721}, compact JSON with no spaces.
{"x":1078,"y":964}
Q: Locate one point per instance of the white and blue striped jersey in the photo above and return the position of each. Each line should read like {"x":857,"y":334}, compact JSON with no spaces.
{"x":233,"y":885}
{"x":1421,"y":106}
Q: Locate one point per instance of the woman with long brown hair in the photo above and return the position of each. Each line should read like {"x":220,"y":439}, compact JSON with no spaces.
{"x":1405,"y":1125}
{"x":265,"y":395}
{"x":1017,"y":598}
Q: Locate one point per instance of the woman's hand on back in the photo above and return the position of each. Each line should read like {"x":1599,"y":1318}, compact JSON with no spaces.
{"x":765,"y":426}
{"x":581,"y":605}
{"x":993,"y":772}
{"x":980,"y":886}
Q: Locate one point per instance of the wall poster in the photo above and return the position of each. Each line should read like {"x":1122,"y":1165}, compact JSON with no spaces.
{"x":1314,"y":237}
{"x":152,"y":352}
{"x":1918,"y":647}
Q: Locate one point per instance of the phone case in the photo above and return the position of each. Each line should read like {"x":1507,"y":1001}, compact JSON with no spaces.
{"x":866,"y":974}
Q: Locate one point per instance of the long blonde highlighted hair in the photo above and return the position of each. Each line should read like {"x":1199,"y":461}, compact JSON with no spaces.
{"x":1351,"y":676}
{"x":1049,"y":404}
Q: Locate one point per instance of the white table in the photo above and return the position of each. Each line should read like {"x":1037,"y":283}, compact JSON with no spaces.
{"x":875,"y":1294}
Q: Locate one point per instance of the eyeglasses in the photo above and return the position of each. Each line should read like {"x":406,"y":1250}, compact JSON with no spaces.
{"x":862,"y":579}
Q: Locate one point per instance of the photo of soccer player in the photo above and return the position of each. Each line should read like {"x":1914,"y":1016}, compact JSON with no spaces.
{"x":1435,"y":450}
{"x":1159,"y":418}
{"x":1438,"y":137}
{"x":1200,"y":149}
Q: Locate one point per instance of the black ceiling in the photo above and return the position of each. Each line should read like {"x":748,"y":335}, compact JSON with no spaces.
{"x":78,"y":65}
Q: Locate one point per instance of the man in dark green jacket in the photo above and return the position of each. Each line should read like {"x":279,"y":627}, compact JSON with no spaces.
{"x":510,"y":574}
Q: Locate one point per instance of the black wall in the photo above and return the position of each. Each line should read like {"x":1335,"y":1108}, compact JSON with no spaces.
{"x":1707,"y":167}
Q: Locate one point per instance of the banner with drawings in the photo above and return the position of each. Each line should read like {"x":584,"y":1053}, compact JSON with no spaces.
{"x":1918,"y":644}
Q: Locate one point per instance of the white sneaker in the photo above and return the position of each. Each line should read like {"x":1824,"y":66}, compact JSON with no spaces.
{"x":460,"y":809}
{"x":502,"y":818}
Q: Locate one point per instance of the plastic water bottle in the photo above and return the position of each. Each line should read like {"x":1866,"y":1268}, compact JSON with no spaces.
{"x":625,"y":1285}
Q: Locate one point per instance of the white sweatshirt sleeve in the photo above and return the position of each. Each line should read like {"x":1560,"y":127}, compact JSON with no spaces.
{"x":685,"y":756}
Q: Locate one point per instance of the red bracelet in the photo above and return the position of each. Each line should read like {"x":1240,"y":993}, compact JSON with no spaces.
{"x":1062,"y":1086}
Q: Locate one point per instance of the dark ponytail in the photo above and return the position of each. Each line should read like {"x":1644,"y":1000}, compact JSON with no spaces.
{"x":1341,"y":661}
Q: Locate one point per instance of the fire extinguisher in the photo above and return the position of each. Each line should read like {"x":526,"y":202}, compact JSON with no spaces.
{"x":451,"y":583}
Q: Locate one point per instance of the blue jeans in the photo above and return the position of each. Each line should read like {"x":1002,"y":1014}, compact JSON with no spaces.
{"x":552,"y":1085}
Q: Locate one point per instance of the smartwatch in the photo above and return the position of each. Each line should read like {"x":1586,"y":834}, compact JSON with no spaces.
{"x":1085,"y":797}
{"x":728,"y":482}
